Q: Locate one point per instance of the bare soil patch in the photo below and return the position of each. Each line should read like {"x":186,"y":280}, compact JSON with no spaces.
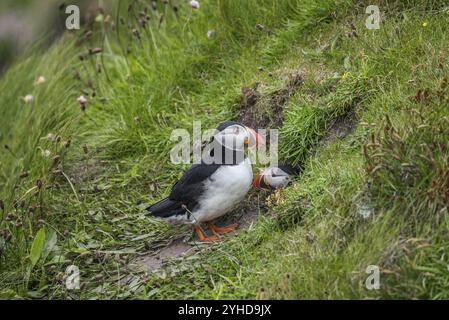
{"x":155,"y":262}
{"x":257,"y":111}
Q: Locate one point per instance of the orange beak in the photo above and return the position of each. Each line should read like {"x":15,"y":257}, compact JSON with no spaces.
{"x":256,"y":182}
{"x":260,"y":141}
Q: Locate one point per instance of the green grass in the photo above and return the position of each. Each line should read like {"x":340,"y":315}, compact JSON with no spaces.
{"x":310,"y":240}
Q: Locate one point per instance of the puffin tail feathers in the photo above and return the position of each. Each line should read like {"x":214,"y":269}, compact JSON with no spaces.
{"x":166,"y":208}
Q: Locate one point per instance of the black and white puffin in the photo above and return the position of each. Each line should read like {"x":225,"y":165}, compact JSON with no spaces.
{"x":276,"y":177}
{"x":212,"y":188}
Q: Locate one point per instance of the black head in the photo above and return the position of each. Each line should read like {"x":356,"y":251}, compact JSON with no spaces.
{"x":222,"y":126}
{"x":228,"y":123}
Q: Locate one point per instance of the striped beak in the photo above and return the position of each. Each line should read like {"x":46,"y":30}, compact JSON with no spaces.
{"x":260,"y":183}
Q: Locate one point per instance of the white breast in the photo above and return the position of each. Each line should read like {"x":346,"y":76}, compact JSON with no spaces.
{"x":225,"y":188}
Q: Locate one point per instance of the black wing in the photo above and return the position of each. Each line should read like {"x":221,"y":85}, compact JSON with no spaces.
{"x":185,"y":192}
{"x":191,"y":185}
{"x":166,"y":208}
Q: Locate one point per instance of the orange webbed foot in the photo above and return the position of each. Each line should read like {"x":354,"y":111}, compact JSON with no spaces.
{"x":222,"y":230}
{"x":204,"y":238}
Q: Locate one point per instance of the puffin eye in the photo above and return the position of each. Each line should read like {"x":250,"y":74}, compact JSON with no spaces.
{"x":236,"y":130}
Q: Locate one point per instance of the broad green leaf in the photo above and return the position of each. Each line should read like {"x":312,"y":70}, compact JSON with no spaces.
{"x":50,"y":243}
{"x":37,"y":246}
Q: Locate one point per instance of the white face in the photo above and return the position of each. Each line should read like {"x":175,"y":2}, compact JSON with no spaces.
{"x":276,"y":177}
{"x":234,"y":137}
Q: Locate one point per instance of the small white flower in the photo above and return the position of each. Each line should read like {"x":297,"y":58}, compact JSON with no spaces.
{"x":28,"y":98}
{"x":82,"y":100}
{"x":210,"y":33}
{"x":40,"y":80}
{"x":194,"y":4}
{"x":46,"y":153}
{"x":51,"y":137}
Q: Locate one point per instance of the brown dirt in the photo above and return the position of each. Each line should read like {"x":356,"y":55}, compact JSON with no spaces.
{"x":248,"y":104}
{"x":248,"y":219}
{"x":257,"y":111}
{"x":155,"y":262}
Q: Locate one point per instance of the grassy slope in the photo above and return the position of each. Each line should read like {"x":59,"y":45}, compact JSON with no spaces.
{"x":312,"y":242}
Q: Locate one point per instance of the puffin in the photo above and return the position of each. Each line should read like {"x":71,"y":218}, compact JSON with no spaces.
{"x":274,"y":178}
{"x":212,"y":188}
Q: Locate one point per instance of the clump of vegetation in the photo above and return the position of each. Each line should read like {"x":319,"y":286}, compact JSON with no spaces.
{"x":368,"y":121}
